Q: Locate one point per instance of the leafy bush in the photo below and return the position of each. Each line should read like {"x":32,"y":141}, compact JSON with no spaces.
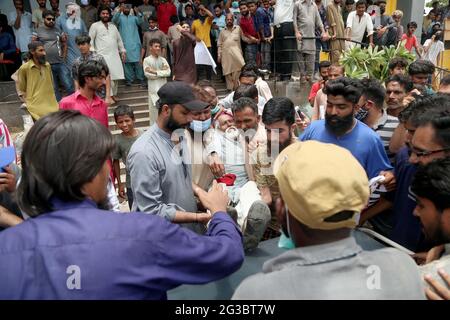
{"x":371,"y":62}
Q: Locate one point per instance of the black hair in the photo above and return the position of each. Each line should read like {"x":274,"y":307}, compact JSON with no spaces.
{"x":421,"y":67}
{"x":47,"y":13}
{"x":414,"y":110}
{"x":242,"y":103}
{"x":445,"y":80}
{"x":251,"y":66}
{"x":103,"y":8}
{"x":403,"y":80}
{"x":349,"y":2}
{"x":84,"y":38}
{"x":153,"y":18}
{"x":245,"y":90}
{"x":217,"y":6}
{"x":373,"y":90}
{"x":58,"y":159}
{"x":153,"y":41}
{"x":438,"y":116}
{"x":279,"y":109}
{"x":248,"y":74}
{"x":411,"y":24}
{"x":174,"y":19}
{"x":398,"y":62}
{"x":123,"y":110}
{"x":361,"y":2}
{"x":432,"y":182}
{"x":90,"y":68}
{"x":188,"y":5}
{"x":34,"y":44}
{"x":250,"y":2}
{"x":324,"y":64}
{"x":242,"y":3}
{"x":349,"y":88}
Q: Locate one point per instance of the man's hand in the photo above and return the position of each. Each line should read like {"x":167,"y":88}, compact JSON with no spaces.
{"x":122,"y":193}
{"x":150,"y":70}
{"x":7,"y":180}
{"x":298,"y":35}
{"x":302,"y":123}
{"x":437,"y":290}
{"x":109,"y":101}
{"x":389,"y":180}
{"x":124,"y":56}
{"x":216,"y":165}
{"x":215,"y":200}
{"x":325,"y":36}
{"x":203,"y":217}
{"x":382,"y":31}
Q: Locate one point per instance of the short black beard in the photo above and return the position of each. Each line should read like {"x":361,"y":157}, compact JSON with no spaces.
{"x":281,"y":146}
{"x":42,"y":60}
{"x":172,"y":125}
{"x":342,"y":125}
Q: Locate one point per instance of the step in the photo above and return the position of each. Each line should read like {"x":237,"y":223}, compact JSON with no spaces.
{"x":135,"y":106}
{"x":132,"y":93}
{"x":118,"y":131}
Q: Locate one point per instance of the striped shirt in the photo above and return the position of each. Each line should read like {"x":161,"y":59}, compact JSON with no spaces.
{"x":385,"y":129}
{"x":5,"y":137}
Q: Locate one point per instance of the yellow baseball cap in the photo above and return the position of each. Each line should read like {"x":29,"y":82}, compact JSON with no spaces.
{"x":318,"y":180}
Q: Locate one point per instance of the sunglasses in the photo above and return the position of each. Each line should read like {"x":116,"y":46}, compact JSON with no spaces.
{"x":50,"y":19}
{"x":425,"y":153}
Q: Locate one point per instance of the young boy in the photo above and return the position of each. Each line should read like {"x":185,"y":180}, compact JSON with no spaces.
{"x":156,"y":69}
{"x":411,"y":39}
{"x":124,"y":118}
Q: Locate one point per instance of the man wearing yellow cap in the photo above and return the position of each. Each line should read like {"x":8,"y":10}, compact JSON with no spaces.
{"x":323,"y":189}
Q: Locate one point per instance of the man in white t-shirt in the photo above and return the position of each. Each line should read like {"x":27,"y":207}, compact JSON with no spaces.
{"x":359,"y":22}
{"x":433,"y":47}
{"x":20,"y":21}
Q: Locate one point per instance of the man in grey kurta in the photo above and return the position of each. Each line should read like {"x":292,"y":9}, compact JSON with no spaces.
{"x":160,"y":169}
{"x":323,"y":189}
{"x":306,"y":21}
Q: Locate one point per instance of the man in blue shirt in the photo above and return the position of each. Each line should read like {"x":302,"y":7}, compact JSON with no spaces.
{"x":341,"y":128}
{"x":73,"y":249}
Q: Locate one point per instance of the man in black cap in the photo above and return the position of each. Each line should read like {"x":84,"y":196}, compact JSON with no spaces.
{"x":158,"y":161}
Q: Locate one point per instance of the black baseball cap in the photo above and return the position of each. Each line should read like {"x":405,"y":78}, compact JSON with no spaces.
{"x":178,"y":92}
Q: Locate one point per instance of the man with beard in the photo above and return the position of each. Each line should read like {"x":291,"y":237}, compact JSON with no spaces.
{"x":278,"y":118}
{"x":431,"y":185}
{"x":341,"y":128}
{"x":398,"y":88}
{"x":106,"y":41}
{"x":35,"y":79}
{"x":161,"y":178}
{"x":230,"y":52}
{"x":324,"y":66}
{"x":55,"y":44}
{"x":184,"y":68}
{"x":128,"y":28}
{"x":386,"y":29}
{"x":73,"y":26}
{"x":37,"y":17}
{"x":91,"y":77}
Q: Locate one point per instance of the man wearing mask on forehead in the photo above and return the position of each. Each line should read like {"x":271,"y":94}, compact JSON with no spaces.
{"x":433,"y":47}
{"x":73,"y":26}
{"x":88,"y":13}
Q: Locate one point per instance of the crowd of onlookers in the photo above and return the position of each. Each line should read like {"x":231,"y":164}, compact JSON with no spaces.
{"x":212,"y":178}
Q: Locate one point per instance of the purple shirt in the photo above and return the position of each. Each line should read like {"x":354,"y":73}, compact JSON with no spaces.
{"x":78,"y":251}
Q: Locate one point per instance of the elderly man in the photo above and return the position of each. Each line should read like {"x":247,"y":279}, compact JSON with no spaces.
{"x":323,"y":189}
{"x":230,"y":52}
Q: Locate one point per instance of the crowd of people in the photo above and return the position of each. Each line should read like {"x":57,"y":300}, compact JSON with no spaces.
{"x":212,"y":178}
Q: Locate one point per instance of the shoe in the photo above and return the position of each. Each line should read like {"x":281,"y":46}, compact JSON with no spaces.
{"x":128,"y":84}
{"x":232,"y":213}
{"x":144,"y":85}
{"x":257,"y":220}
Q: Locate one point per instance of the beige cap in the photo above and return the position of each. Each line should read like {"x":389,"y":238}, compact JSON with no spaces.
{"x":318,"y":180}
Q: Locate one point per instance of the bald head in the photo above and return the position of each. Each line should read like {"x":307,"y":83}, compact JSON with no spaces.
{"x":229,"y":20}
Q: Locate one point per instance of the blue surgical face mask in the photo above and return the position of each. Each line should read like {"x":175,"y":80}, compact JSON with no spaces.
{"x":200,"y":126}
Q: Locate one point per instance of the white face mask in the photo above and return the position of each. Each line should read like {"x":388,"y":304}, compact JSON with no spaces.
{"x":84,"y":2}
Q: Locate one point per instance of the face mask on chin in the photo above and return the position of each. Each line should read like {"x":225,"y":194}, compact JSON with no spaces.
{"x":200,"y":126}
{"x":285,"y":239}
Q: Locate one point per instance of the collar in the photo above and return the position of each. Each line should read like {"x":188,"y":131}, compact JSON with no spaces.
{"x":312,"y":255}
{"x":59,"y":204}
{"x":78,"y":94}
{"x":162,"y":133}
{"x":381,"y":121}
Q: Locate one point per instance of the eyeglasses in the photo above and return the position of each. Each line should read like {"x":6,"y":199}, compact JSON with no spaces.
{"x":425,"y":153}
{"x":50,"y":19}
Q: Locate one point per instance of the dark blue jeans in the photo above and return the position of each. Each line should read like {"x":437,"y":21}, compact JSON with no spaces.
{"x":61,"y":72}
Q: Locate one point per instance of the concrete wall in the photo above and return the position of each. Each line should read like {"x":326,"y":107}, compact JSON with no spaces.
{"x":7,"y":6}
{"x":412,"y":11}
